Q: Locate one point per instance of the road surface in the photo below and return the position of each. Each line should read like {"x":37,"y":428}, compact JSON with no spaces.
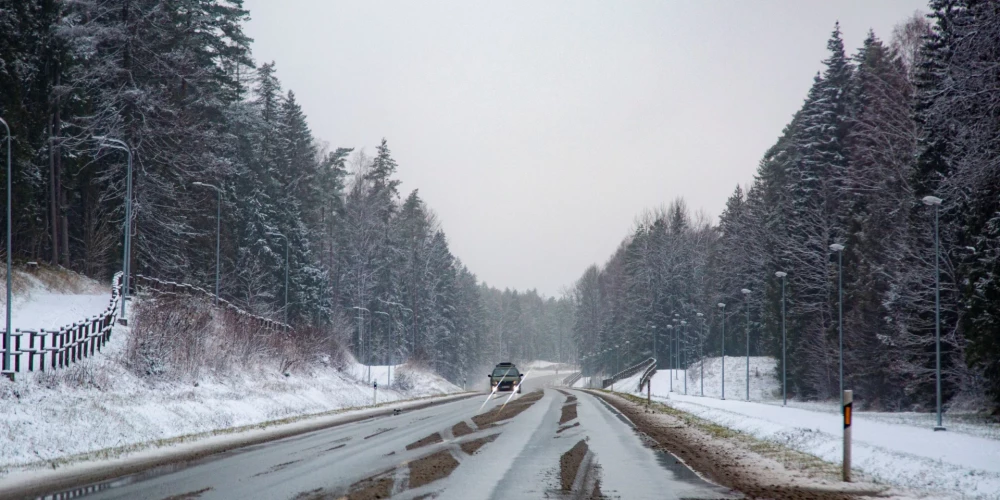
{"x":548,"y":442}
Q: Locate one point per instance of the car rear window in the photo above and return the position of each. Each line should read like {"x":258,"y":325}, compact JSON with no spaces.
{"x":508,"y":371}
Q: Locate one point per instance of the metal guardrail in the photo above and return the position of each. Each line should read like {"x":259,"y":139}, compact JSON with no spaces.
{"x":628,"y":372}
{"x":172,"y":288}
{"x":65,"y":346}
{"x":647,"y":375}
{"x":572,"y":379}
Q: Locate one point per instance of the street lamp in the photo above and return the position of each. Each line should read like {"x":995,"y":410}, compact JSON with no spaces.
{"x":837,"y":247}
{"x":784,"y":364}
{"x":6,"y":332}
{"x":684,"y":359}
{"x":126,"y":264}
{"x":676,"y":348}
{"x":392,"y":347}
{"x":652,"y":328}
{"x":701,"y":352}
{"x":746,"y":293}
{"x":286,"y":271}
{"x":936,"y":203}
{"x":362,"y":352}
{"x":218,"y":233}
{"x":670,"y":376}
{"x":722,"y":308}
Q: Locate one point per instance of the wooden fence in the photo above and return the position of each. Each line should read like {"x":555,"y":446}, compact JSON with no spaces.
{"x":38,"y":350}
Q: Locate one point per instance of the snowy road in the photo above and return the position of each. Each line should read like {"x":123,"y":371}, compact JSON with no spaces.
{"x":465,"y":449}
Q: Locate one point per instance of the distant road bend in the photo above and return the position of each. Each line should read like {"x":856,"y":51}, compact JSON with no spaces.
{"x":544,"y":443}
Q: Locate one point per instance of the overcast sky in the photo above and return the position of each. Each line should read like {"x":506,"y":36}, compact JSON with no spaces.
{"x":538,"y":130}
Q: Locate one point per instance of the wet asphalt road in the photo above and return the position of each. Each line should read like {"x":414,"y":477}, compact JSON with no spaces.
{"x":522,"y":462}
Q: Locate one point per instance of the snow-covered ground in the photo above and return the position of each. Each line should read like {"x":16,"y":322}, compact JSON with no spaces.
{"x":97,"y":404}
{"x":421,"y":381}
{"x":899,"y":449}
{"x":51,"y":299}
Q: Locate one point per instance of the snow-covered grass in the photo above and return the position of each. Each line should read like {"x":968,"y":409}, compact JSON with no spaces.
{"x":99,"y":404}
{"x":900,"y":449}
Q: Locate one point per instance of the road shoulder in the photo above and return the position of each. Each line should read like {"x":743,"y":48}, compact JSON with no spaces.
{"x":734,"y":460}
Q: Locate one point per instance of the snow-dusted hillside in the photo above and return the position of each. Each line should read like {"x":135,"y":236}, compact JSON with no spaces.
{"x":51,"y":298}
{"x":98,"y":404}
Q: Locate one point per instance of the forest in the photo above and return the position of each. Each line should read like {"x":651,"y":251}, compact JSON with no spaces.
{"x":217,"y":142}
{"x":879,"y":130}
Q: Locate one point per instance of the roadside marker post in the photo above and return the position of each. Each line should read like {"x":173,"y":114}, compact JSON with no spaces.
{"x":848,"y":407}
{"x":649,"y":385}
{"x":375,"y":393}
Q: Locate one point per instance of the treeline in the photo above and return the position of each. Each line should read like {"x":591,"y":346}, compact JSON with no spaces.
{"x":525,"y":326}
{"x":879,"y":130}
{"x":176,"y":82}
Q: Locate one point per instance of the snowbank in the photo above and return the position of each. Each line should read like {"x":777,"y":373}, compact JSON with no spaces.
{"x":97,"y":404}
{"x":897,"y":449}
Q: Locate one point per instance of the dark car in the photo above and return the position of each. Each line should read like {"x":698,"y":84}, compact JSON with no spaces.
{"x":505,"y":377}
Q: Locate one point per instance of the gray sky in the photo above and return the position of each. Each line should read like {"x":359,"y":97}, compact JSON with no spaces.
{"x":538,"y":131}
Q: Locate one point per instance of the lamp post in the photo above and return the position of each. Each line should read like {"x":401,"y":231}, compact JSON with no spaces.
{"x":784,"y":365}
{"x":6,"y":332}
{"x":670,"y":377}
{"x":392,"y":347}
{"x":362,"y":352}
{"x":936,"y":203}
{"x":127,"y":260}
{"x":837,"y":247}
{"x":218,"y":233}
{"x":676,"y":348}
{"x":286,"y":271}
{"x":701,"y":353}
{"x":746,"y":293}
{"x":617,"y":359}
{"x":683,"y":363}
{"x":722,"y":308}
{"x":652,"y":329}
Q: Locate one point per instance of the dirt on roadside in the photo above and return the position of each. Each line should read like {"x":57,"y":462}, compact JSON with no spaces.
{"x":473,"y":446}
{"x":510,"y":410}
{"x":371,"y":488}
{"x":460,"y":429}
{"x":568,"y":413}
{"x":433,"y":438}
{"x":727,"y":463}
{"x":569,"y":465}
{"x":431,"y":468}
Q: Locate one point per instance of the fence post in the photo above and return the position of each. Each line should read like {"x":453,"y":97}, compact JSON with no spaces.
{"x":848,"y":407}
{"x":41,"y":350}
{"x":53,"y":352}
{"x":31,"y":350}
